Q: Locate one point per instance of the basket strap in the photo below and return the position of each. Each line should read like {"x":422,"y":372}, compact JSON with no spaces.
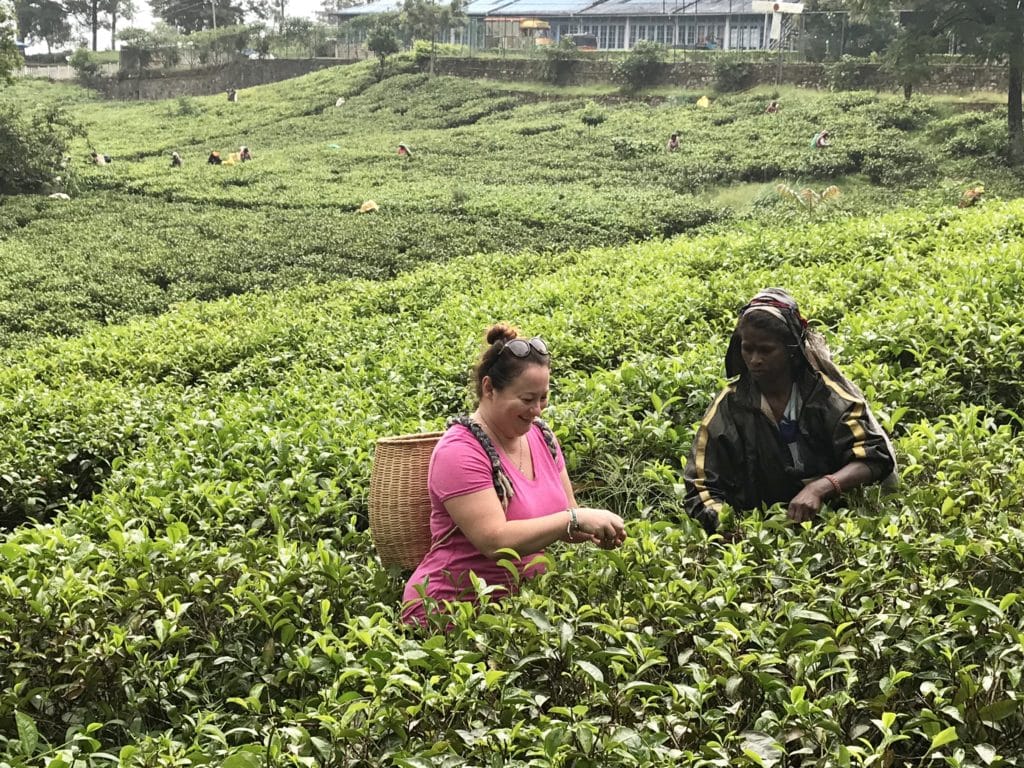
{"x":444,"y":538}
{"x":502,"y":485}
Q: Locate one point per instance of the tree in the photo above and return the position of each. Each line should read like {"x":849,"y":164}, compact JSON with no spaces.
{"x":641,"y":66}
{"x":993,"y":30}
{"x":907,"y":59}
{"x":124,"y":9}
{"x":87,"y":14}
{"x":10,"y":56}
{"x":43,"y":21}
{"x":196,"y":15}
{"x":426,"y":20}
{"x":33,"y":149}
{"x":383,"y":39}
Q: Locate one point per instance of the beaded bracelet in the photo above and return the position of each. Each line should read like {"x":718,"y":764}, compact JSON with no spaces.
{"x":835,"y":484}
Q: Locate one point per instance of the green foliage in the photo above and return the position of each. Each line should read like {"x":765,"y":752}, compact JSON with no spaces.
{"x":641,"y":67}
{"x":847,"y":74}
{"x":10,"y":56}
{"x":972,"y":134}
{"x":187,"y":107}
{"x":86,"y":65}
{"x":560,"y":62}
{"x":288,"y":218}
{"x":593,"y":115}
{"x":33,"y":150}
{"x":427,"y":20}
{"x":907,"y":115}
{"x":193,"y":17}
{"x":422,"y":50}
{"x":214,"y":574}
{"x":626,"y":147}
{"x":732,"y":75}
{"x":201,"y":591}
{"x":383,"y":40}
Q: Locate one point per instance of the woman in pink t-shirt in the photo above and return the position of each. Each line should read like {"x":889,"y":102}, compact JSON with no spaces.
{"x":497,"y":481}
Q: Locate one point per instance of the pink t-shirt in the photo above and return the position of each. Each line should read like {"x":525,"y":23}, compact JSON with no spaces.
{"x":459,"y":466}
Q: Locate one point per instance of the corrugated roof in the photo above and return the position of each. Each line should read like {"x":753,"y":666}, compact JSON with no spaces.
{"x":542,"y":7}
{"x":485,"y":7}
{"x":669,"y":8}
{"x":375,"y":6}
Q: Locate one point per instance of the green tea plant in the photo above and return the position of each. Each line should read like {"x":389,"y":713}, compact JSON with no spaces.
{"x":186,"y":576}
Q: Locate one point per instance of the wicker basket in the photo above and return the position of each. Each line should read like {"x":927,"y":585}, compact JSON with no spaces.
{"x":399,"y":502}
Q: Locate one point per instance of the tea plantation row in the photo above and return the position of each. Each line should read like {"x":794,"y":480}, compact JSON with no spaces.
{"x":494,"y":169}
{"x":204,"y":595}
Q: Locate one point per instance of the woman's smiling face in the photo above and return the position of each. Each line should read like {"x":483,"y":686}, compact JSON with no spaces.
{"x":512,"y":410}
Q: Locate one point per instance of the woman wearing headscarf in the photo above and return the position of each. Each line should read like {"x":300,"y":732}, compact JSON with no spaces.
{"x":790,"y":428}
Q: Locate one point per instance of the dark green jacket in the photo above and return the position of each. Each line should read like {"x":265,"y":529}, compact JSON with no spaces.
{"x":739,"y":458}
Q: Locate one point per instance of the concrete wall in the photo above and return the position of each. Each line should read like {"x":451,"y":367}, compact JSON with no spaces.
{"x":700,"y":75}
{"x":164,"y":84}
{"x":161,"y":84}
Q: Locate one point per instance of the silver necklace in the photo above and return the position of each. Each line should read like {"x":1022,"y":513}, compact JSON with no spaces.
{"x":516,"y":459}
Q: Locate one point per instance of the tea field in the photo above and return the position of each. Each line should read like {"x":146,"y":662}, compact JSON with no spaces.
{"x":494,"y":169}
{"x":191,"y":397}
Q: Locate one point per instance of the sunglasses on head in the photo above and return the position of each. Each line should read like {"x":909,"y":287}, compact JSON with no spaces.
{"x":521,"y":347}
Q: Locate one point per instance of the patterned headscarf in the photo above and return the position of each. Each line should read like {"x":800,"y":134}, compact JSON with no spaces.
{"x":808,"y":342}
{"x":780,"y":305}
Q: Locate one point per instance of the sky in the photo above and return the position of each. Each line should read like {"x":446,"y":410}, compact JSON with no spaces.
{"x":144,"y":18}
{"x":303,"y":8}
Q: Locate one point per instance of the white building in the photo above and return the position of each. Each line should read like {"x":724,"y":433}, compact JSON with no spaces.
{"x":619,"y":24}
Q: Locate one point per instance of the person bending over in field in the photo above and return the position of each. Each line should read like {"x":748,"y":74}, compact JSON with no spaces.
{"x":175,"y":160}
{"x":673,"y":143}
{"x":214,"y":158}
{"x":789,"y":429}
{"x":497,"y":480}
{"x":821,"y":140}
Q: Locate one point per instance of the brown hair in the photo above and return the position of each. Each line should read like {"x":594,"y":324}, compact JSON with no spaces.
{"x":503,"y":369}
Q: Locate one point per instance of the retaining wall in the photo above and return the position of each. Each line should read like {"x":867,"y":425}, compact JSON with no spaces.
{"x":164,"y":84}
{"x":698,"y":75}
{"x":161,"y":84}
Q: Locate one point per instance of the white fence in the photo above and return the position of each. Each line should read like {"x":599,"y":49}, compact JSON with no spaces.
{"x":59,"y":71}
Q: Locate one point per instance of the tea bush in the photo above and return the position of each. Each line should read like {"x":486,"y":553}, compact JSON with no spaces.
{"x":197,"y":587}
{"x":289,"y":216}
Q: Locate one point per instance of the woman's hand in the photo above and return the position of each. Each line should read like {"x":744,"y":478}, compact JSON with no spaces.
{"x":807,"y":504}
{"x":601,"y":527}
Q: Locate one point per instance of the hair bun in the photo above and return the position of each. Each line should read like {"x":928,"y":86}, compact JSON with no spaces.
{"x":501,"y":332}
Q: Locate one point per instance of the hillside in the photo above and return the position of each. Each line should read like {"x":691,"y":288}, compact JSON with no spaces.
{"x":494,"y":170}
{"x":201,"y":589}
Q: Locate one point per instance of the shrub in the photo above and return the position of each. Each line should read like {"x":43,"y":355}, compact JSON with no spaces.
{"x":848,"y":74}
{"x":187,"y":107}
{"x":560,"y":62}
{"x":972,"y":134}
{"x":593,"y":115}
{"x":902,"y":115}
{"x":641,"y":67}
{"x":891,"y":159}
{"x":33,"y":150}
{"x":626,"y":147}
{"x":86,"y":65}
{"x":731,"y":75}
